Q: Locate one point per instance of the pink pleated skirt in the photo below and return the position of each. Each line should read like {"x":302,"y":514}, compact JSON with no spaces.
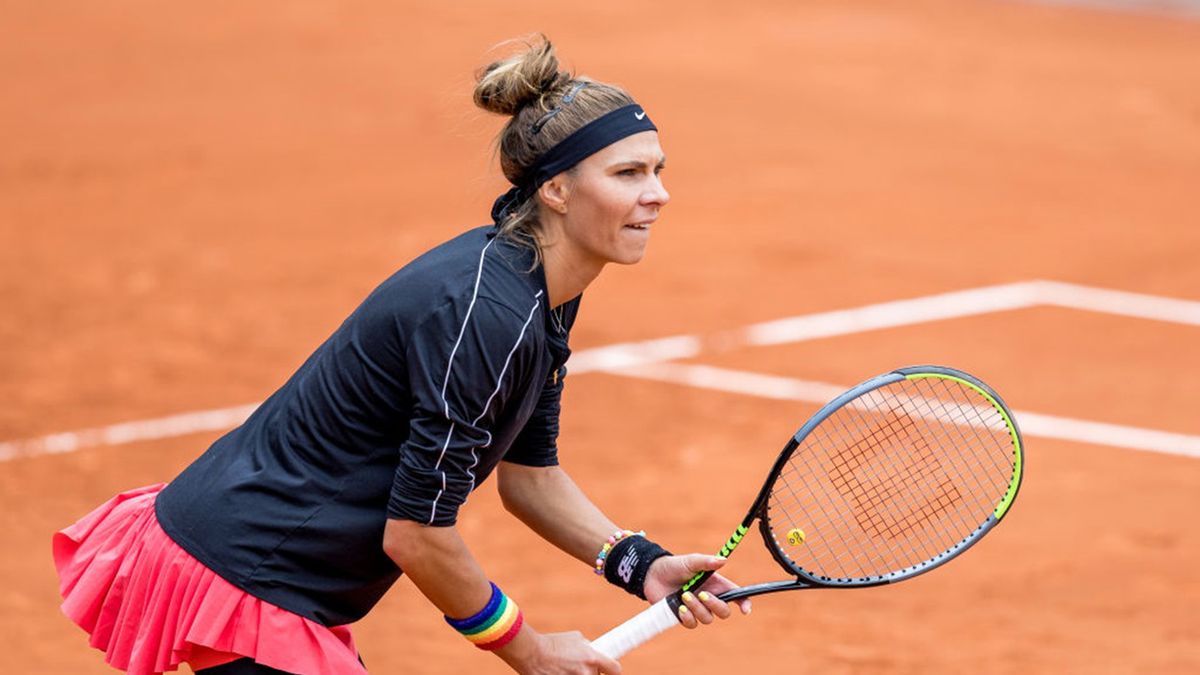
{"x":150,"y":606}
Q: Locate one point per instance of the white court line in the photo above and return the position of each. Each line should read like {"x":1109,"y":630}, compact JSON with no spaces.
{"x":972,"y":302}
{"x":602,"y":358}
{"x":820,"y":393}
{"x":1121,"y":303}
{"x":128,"y":432}
{"x":892,"y":314}
{"x":630,"y":354}
{"x":957,"y":304}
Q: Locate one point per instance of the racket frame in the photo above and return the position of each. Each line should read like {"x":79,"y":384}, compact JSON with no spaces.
{"x":804,"y":579}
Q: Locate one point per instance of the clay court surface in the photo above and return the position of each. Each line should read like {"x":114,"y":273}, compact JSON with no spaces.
{"x":193,"y":197}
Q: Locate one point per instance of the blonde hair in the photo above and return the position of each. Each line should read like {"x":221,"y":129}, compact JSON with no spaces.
{"x":528,"y":86}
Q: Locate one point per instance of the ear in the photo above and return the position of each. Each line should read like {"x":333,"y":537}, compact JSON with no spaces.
{"x":554,"y":193}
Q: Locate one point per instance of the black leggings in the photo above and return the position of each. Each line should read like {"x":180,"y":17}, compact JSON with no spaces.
{"x":242,"y":667}
{"x":245,"y":667}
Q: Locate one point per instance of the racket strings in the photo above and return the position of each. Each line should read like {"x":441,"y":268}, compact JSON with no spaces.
{"x":856,"y":559}
{"x":978,"y":420}
{"x":878,"y":555}
{"x":898,"y":477}
{"x":873,"y":500}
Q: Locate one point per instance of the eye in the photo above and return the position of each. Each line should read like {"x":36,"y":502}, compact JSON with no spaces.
{"x":627,"y":172}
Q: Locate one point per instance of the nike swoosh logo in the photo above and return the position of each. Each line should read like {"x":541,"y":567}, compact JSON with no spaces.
{"x":640,"y":116}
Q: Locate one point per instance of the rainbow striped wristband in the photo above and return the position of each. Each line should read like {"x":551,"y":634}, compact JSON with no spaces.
{"x":493,"y":626}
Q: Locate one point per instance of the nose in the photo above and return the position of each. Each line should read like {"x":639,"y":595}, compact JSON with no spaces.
{"x":657,"y":194}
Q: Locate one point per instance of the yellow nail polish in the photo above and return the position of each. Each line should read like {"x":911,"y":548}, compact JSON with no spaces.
{"x":704,"y":596}
{"x":688,"y":597}
{"x":683,"y":610}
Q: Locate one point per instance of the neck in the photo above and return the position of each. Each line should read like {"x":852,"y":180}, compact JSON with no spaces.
{"x":567,"y":274}
{"x":569,"y":270}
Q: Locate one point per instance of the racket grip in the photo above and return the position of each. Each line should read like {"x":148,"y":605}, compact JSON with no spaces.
{"x":637,"y":631}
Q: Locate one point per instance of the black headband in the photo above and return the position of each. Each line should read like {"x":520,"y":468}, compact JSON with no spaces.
{"x":581,"y":144}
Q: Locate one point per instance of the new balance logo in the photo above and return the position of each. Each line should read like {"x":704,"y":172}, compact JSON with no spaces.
{"x":625,"y":567}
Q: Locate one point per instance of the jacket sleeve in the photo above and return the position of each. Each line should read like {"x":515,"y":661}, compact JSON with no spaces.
{"x":463,"y":365}
{"x":537,"y":444}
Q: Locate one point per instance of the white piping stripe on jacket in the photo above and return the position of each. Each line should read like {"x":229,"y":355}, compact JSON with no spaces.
{"x":437,"y":467}
{"x":446,"y":381}
{"x":462,"y":330}
{"x":499,"y":380}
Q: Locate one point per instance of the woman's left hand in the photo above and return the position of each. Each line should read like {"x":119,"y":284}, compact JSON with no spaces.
{"x":668,"y":573}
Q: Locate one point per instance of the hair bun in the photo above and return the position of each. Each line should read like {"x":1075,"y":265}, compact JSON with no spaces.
{"x":506,"y":86}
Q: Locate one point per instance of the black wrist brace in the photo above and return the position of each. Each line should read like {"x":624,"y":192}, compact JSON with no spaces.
{"x":629,"y":561}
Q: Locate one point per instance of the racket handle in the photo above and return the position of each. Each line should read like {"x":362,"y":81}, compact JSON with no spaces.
{"x":637,"y":631}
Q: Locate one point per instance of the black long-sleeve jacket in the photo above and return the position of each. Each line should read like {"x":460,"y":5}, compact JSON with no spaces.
{"x":451,"y":365}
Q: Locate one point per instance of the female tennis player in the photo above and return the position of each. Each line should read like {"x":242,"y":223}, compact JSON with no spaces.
{"x":290,"y":527}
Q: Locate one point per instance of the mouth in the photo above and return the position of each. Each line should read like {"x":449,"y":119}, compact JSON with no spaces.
{"x":640,"y":227}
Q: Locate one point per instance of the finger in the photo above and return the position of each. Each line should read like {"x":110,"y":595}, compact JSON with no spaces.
{"x":718,"y":607}
{"x":607,"y":666}
{"x":699,"y":609}
{"x":699,"y":562}
{"x":718,"y":584}
{"x":686,"y":618}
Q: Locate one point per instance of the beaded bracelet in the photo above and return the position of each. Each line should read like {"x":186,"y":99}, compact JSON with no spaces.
{"x":608,"y":547}
{"x":493,"y":626}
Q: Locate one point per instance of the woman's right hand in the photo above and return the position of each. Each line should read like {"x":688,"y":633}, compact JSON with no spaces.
{"x":562,"y":654}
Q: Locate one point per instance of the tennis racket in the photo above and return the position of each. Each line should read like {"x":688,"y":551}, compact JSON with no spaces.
{"x":887,"y":481}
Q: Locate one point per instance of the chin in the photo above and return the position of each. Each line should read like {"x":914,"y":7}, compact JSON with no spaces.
{"x":630,"y":258}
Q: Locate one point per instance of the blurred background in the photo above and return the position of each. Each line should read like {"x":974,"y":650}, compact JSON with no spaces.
{"x":193,"y":197}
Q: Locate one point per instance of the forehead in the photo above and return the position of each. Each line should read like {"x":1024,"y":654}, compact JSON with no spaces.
{"x":640,"y":147}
